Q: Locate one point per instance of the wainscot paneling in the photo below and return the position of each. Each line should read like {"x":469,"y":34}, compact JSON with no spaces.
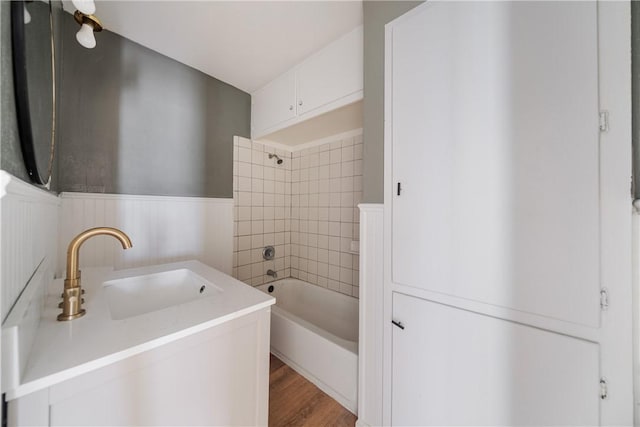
{"x":162,"y":229}
{"x":28,"y":236}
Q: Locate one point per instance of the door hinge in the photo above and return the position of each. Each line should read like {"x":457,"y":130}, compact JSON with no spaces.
{"x":604,"y":121}
{"x":604,"y":299}
{"x":604,"y":388}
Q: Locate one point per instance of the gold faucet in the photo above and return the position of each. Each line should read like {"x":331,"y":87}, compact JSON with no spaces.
{"x":72,"y":295}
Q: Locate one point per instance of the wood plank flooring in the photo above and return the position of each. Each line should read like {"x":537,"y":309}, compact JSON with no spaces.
{"x":294,"y":401}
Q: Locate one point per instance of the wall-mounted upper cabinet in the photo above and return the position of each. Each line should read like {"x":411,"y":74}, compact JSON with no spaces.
{"x":274,"y":103}
{"x":331,"y":74}
{"x":329,"y":79}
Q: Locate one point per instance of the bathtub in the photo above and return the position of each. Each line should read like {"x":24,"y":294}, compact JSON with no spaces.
{"x":315,"y":331}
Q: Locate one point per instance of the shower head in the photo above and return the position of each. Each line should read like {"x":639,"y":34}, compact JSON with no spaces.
{"x":279,"y":161}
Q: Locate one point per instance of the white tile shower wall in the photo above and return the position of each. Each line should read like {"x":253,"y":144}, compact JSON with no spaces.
{"x":306,"y":208}
{"x":262,"y":196}
{"x":28,"y":236}
{"x":326,"y":188}
{"x":162,"y":229}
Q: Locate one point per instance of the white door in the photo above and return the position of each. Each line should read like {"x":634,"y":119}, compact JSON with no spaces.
{"x":505,"y":199}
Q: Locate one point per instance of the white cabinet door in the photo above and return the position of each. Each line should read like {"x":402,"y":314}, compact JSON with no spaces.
{"x":327,"y":80}
{"x":332,"y":73}
{"x":274,"y":103}
{"x":217,"y":377}
{"x":495,"y":146}
{"x":455,"y":367}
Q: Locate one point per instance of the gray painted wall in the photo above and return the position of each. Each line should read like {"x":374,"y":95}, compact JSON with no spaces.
{"x":376,"y":15}
{"x":10,"y":155}
{"x":155,"y":126}
{"x":136,"y":122}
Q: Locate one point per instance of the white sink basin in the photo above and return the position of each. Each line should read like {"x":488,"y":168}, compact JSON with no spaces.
{"x":133,"y":296}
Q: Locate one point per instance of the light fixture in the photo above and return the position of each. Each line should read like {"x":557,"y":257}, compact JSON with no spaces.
{"x":89,"y":25}
{"x":88,"y":7}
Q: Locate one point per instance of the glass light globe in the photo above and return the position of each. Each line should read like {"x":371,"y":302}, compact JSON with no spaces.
{"x":27,"y":15}
{"x":85,"y":36}
{"x":88,"y":7}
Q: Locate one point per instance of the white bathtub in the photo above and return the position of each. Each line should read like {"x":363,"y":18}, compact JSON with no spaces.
{"x":315,"y":331}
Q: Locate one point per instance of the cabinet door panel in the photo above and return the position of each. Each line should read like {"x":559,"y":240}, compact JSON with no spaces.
{"x":495,"y":142}
{"x":332,"y":73}
{"x":217,"y":377}
{"x":455,"y":367}
{"x":273,"y":103}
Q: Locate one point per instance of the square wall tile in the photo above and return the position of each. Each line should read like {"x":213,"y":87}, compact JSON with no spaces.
{"x":305,"y":208}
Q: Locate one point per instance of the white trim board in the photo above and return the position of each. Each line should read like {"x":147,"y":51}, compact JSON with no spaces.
{"x":9,"y":184}
{"x":370,"y":344}
{"x":310,"y":144}
{"x":104,"y":196}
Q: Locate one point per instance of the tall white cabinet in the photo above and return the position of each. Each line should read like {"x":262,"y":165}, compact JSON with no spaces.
{"x":508,"y":215}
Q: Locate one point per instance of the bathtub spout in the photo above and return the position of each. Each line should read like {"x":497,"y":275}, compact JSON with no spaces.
{"x":272,"y":274}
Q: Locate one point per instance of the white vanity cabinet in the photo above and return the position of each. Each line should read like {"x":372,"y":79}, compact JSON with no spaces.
{"x":162,"y":361}
{"x":329,"y":79}
{"x":507,"y":215}
{"x":216,"y":377}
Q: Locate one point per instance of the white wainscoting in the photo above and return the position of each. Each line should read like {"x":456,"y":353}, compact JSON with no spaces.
{"x":371,"y":318}
{"x":162,"y":229}
{"x":28,"y":236}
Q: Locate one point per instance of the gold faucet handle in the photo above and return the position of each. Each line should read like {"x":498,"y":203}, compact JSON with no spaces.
{"x":72,"y":304}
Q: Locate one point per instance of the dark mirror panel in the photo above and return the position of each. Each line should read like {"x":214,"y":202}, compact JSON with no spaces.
{"x":34,"y":84}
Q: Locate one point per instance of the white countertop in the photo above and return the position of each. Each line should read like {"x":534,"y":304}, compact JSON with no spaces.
{"x":63,"y":350}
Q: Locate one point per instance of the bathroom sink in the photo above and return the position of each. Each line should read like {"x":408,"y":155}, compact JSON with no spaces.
{"x":136,"y":295}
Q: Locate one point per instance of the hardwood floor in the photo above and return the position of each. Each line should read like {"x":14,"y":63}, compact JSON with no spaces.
{"x":294,"y":401}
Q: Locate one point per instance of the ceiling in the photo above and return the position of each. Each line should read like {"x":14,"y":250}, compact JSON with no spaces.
{"x":243,"y":43}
